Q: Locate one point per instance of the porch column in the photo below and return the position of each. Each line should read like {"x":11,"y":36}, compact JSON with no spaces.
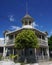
{"x":4,"y":52}
{"x":35,"y":54}
{"x":35,"y":51}
{"x":41,"y":39}
{"x":42,"y":54}
{"x":4,"y":45}
{"x":13,"y":42}
{"x":47,"y":50}
{"x":14,"y":37}
{"x":13,"y":51}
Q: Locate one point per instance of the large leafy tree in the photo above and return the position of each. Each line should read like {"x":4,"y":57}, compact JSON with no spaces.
{"x":50,"y":45}
{"x":26,"y":39}
{"x":50,"y":42}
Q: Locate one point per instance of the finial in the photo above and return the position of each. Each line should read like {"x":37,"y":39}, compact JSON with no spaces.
{"x":26,"y":7}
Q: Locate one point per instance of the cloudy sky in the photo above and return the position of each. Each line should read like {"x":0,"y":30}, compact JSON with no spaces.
{"x":12,"y":11}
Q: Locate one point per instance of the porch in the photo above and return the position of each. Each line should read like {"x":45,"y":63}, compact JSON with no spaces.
{"x":29,"y":55}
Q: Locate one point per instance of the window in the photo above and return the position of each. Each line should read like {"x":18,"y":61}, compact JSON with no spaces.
{"x":39,"y":36}
{"x":22,"y":52}
{"x":43,"y":37}
{"x":29,"y":22}
{"x":26,"y":23}
{"x":31,"y":52}
{"x":11,"y":36}
{"x":15,"y":35}
{"x":36,"y":34}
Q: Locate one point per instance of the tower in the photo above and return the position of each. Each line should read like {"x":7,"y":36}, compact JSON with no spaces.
{"x":27,"y":20}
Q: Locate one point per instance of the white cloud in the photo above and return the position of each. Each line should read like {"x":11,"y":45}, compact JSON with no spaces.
{"x":35,"y":25}
{"x":14,"y":27}
{"x":50,"y":33}
{"x":1,"y":38}
{"x":11,"y":18}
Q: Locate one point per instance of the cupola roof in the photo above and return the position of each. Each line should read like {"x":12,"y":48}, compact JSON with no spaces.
{"x":27,"y":16}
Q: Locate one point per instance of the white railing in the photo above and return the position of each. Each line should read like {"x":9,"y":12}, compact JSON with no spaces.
{"x":42,"y":42}
{"x":10,"y":41}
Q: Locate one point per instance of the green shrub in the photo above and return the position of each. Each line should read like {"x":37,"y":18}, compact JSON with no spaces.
{"x":0,"y":57}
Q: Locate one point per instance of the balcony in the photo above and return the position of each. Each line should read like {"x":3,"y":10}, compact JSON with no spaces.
{"x":42,"y":42}
{"x":10,"y":42}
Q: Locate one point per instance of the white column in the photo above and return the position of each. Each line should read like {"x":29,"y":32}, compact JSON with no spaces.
{"x":35,"y":54}
{"x":4,"y":52}
{"x":13,"y":42}
{"x":47,"y":50}
{"x":35,"y":51}
{"x":28,"y":22}
{"x":13,"y":51}
{"x":46,"y":38}
{"x":6,"y":38}
{"x":41,"y":36}
{"x":42,"y":54}
{"x":14,"y":37}
{"x":41,"y":39}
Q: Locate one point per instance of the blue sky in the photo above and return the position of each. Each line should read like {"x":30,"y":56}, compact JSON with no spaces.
{"x":12,"y":11}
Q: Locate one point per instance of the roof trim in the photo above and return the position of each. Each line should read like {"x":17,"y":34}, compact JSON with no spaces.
{"x":26,"y":28}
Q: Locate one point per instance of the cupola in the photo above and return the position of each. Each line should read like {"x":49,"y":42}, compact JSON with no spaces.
{"x":27,"y":21}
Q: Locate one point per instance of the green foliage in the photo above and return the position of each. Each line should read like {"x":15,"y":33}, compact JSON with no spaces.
{"x":0,"y":57}
{"x":50,"y":42}
{"x":26,"y":39}
{"x":12,"y":56}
